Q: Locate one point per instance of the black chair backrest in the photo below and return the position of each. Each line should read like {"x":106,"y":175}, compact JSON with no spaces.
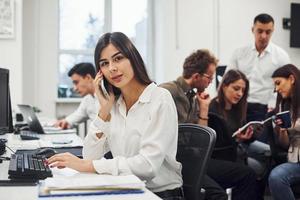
{"x":225,"y":147}
{"x":195,"y":144}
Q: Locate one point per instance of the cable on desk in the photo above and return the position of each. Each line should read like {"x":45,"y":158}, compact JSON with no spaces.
{"x":4,"y":158}
{"x":10,"y":149}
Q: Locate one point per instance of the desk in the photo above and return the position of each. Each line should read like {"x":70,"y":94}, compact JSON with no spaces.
{"x":46,"y":140}
{"x":31,"y":192}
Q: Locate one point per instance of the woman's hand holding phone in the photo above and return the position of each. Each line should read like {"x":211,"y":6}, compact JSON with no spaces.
{"x":106,"y":99}
{"x":246,"y":134}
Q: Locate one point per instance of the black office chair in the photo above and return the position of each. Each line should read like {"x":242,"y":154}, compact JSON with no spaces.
{"x":195,"y":144}
{"x":225,"y":148}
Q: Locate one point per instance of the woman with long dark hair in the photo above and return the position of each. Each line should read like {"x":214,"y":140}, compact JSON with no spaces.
{"x":287,"y":85}
{"x":231,"y":105}
{"x":137,"y":122}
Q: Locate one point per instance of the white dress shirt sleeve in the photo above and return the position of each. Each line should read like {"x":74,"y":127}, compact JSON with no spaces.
{"x":93,"y":147}
{"x":158,"y":137}
{"x":80,"y":114}
{"x":233,"y":63}
{"x":283,"y":58}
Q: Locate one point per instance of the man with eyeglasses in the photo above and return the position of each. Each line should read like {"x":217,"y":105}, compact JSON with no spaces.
{"x":198,"y":72}
{"x":192,"y":105}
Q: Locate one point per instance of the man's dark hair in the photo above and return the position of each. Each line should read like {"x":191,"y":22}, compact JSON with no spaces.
{"x":263,"y":18}
{"x":83,"y":69}
{"x":198,"y":62}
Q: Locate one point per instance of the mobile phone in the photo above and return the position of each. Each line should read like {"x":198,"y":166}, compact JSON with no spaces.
{"x":103,"y":88}
{"x":285,"y":118}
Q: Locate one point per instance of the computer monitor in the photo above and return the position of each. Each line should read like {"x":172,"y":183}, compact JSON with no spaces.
{"x":295,"y":25}
{"x":219,"y":74}
{"x":5,"y":104}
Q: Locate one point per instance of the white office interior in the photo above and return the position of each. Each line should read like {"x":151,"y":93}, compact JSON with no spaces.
{"x":178,"y":27}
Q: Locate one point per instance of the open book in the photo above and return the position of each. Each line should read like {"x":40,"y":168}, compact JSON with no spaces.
{"x":284,"y":116}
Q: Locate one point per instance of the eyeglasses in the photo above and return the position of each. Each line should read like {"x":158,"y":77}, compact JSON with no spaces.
{"x":208,"y":76}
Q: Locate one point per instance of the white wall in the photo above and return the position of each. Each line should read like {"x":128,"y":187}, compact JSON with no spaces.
{"x":47,"y":62}
{"x":11,"y":56}
{"x":218,"y":25}
{"x":235,"y":27}
{"x":40,"y":56}
{"x":29,"y":52}
{"x":181,"y":26}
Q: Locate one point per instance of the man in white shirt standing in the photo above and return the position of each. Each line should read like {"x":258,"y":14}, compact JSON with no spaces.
{"x":258,"y":61}
{"x":82,"y":75}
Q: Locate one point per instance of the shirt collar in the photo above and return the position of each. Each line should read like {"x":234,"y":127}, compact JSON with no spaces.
{"x":183,"y":84}
{"x":187,"y":89}
{"x":145,"y":97}
{"x":268,"y":49}
{"x":146,"y":94}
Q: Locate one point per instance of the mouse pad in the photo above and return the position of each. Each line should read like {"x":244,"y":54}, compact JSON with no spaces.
{"x":77,"y":151}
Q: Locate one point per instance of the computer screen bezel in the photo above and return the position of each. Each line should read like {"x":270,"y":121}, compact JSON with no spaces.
{"x":8,"y":127}
{"x":295,"y":25}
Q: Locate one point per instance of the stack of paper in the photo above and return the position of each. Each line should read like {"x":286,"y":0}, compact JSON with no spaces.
{"x":56,"y":130}
{"x":91,"y":181}
{"x":91,"y":184}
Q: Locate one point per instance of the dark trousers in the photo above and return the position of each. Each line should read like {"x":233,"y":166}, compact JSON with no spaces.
{"x":258,"y":112}
{"x":225,"y":174}
{"x":175,"y":194}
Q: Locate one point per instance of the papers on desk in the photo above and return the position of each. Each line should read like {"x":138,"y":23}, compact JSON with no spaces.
{"x":57,"y":130}
{"x":15,"y":142}
{"x":90,"y":184}
{"x":94,"y":181}
{"x":55,"y":140}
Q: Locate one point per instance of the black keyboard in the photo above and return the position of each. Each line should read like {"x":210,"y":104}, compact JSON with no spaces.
{"x":28,"y":166}
{"x":29,"y":135}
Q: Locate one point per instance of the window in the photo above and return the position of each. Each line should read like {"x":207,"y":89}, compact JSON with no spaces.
{"x":81,"y":24}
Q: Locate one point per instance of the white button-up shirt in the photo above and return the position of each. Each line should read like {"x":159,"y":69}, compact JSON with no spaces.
{"x":143,"y":141}
{"x":259,"y":69}
{"x":87,"y":110}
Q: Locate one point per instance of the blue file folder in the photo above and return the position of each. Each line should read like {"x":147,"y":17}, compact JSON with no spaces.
{"x":112,"y":192}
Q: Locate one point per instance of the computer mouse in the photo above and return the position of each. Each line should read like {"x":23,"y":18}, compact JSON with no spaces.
{"x":3,"y":140}
{"x":47,"y":152}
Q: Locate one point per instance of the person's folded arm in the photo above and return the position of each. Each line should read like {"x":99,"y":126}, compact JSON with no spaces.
{"x":95,"y":144}
{"x":79,"y":115}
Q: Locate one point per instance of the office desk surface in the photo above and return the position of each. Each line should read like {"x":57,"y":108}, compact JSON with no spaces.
{"x":46,"y":140}
{"x":31,"y":192}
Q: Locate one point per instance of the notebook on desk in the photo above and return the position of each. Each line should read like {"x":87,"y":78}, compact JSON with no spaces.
{"x":35,"y":125}
{"x":85,"y":184}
